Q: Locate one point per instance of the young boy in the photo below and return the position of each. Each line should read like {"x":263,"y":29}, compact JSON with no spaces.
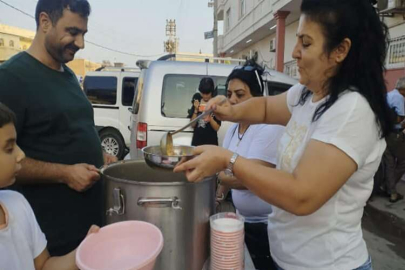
{"x":205,"y":130}
{"x":22,"y":243}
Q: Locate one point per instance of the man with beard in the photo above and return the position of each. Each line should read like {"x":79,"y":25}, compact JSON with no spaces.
{"x":55,"y":126}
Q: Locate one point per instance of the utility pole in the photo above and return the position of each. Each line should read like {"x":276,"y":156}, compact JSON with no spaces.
{"x":214,"y":5}
{"x":172,"y":43}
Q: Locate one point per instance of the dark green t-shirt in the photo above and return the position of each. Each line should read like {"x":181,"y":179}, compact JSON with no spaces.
{"x":54,"y":124}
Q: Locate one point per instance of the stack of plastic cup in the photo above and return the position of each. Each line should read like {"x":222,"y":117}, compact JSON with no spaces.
{"x":227,"y":241}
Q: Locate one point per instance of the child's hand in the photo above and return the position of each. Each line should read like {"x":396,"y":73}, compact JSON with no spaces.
{"x":196,"y":104}
{"x":93,"y":229}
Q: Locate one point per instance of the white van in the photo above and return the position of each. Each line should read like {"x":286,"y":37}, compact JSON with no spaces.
{"x":163,"y":98}
{"x":111,"y":92}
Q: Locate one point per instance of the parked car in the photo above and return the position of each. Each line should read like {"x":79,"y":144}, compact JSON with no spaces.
{"x":111,"y":92}
{"x":163,"y":98}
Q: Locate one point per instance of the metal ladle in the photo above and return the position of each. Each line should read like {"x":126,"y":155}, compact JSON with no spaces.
{"x":166,"y":142}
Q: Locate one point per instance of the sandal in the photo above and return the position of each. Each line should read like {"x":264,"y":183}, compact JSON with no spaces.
{"x":397,"y":198}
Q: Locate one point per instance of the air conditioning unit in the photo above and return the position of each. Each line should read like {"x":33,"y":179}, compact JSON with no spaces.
{"x":391,"y":6}
{"x":273,"y":45}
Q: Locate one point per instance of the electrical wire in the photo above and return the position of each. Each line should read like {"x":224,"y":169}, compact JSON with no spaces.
{"x":87,"y":41}
{"x":23,"y":12}
{"x":117,"y":51}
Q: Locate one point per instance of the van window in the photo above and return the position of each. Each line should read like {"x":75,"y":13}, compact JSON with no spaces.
{"x":178,"y":91}
{"x":101,"y":90}
{"x":138,"y":93}
{"x":275,"y":88}
{"x":128,"y":90}
{"x":220,"y":85}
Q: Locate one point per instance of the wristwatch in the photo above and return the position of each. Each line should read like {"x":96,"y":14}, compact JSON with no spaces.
{"x":229,"y":169}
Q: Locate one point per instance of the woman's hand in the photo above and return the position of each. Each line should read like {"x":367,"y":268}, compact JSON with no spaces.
{"x":209,"y":160}
{"x":223,"y":110}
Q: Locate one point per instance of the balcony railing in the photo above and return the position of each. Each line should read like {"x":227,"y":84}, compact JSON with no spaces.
{"x":291,"y":69}
{"x":396,"y":52}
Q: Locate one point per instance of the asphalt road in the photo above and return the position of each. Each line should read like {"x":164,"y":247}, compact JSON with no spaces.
{"x":385,"y":255}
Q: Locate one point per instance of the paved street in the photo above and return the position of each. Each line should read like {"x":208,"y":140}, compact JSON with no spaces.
{"x":386,"y":255}
{"x":384,"y":232}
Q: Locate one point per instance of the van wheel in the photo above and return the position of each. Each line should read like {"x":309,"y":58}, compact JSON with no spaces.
{"x":112,"y":143}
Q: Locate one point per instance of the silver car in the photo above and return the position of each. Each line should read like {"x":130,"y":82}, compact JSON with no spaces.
{"x":163,"y":98}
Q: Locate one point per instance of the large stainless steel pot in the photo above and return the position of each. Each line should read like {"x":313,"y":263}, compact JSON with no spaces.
{"x":133,"y":191}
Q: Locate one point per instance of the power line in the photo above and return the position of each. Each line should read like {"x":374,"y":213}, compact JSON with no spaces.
{"x":113,"y":50}
{"x":23,"y":12}
{"x":87,"y":41}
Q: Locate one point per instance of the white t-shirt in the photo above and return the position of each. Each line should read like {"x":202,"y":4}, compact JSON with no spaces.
{"x":331,"y":238}
{"x":21,"y":240}
{"x":258,"y":142}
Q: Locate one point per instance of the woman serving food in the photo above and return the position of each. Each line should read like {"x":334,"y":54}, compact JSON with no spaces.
{"x":336,"y":120}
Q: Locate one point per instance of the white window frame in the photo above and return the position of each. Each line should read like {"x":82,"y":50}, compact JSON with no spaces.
{"x":242,"y":8}
{"x":228,"y":20}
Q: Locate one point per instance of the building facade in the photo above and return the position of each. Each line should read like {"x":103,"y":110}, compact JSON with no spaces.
{"x":266,"y":29}
{"x":81,"y":66}
{"x":14,"y":40}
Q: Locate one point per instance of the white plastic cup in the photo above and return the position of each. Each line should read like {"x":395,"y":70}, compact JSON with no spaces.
{"x":227,"y":240}
{"x":227,"y":222}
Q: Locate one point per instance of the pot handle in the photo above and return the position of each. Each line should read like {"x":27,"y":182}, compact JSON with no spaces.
{"x":155,"y":202}
{"x":119,"y":205}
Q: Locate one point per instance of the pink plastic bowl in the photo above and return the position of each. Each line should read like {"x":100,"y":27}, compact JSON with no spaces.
{"x":127,"y":245}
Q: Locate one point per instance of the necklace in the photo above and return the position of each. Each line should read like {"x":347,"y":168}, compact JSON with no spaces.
{"x":240,"y":137}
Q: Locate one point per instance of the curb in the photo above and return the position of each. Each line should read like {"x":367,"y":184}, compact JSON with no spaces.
{"x":385,"y":224}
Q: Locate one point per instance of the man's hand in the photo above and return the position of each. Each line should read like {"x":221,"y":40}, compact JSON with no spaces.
{"x":81,"y":177}
{"x":108,"y":159}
